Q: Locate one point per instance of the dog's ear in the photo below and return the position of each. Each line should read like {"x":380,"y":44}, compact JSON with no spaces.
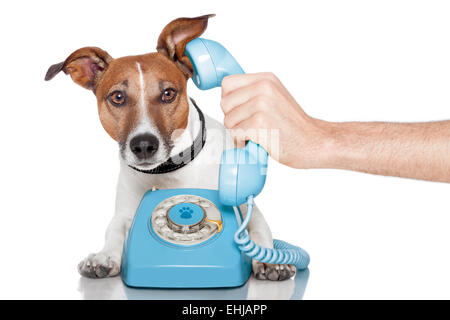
{"x":174,"y":37}
{"x":86,"y":66}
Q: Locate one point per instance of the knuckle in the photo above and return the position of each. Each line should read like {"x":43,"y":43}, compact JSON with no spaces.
{"x":225,"y":82}
{"x":270,"y":76}
{"x":224,"y":105}
{"x":261,"y":102}
{"x":266,"y":86}
{"x":273,"y":77}
{"x":226,"y":85}
{"x":259,"y":119}
{"x":227,"y":121}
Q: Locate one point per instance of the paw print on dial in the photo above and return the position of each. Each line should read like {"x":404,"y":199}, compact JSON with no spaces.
{"x":185,"y":220}
{"x":186,"y":213}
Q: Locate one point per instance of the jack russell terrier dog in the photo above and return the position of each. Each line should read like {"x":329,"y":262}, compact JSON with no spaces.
{"x":143,"y":105}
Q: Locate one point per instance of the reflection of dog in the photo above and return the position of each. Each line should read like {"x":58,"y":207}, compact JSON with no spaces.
{"x":143,"y":105}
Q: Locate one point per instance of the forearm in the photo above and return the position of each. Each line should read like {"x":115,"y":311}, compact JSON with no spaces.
{"x":260,"y":101}
{"x":410,"y":150}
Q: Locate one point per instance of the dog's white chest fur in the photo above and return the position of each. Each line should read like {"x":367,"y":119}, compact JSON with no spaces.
{"x":201,"y":172}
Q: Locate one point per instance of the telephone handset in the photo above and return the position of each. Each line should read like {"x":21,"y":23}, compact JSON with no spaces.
{"x":193,"y":238}
{"x":242,"y":171}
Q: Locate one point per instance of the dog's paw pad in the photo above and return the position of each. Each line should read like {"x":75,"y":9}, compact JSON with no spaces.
{"x":273,"y":272}
{"x":99,"y":265}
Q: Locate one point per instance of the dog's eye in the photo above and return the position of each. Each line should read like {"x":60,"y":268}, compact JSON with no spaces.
{"x":117,"y":98}
{"x":168,"y":95}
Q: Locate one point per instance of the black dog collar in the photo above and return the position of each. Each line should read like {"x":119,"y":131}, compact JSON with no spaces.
{"x":187,"y":155}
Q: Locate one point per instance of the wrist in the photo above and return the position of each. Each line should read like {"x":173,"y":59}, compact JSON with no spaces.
{"x":328,"y":148}
{"x":342,"y":146}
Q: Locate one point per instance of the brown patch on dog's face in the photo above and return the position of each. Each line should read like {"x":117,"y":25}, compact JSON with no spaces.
{"x":145,"y":97}
{"x":142,"y":100}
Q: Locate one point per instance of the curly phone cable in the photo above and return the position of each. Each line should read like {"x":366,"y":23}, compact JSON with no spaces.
{"x":283,"y":252}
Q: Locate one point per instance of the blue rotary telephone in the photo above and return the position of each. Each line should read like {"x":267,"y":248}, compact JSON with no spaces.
{"x":197,"y":238}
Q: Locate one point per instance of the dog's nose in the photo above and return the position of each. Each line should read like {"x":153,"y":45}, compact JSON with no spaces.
{"x":144,"y":146}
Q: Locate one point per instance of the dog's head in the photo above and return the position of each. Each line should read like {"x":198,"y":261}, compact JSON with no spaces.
{"x":142,"y":100}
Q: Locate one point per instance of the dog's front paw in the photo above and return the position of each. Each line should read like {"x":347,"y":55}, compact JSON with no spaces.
{"x":99,"y":265}
{"x":274,"y":272}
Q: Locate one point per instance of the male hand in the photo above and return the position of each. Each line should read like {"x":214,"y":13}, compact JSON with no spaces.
{"x":258,"y":107}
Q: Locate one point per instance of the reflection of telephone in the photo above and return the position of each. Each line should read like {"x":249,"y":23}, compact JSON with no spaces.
{"x":191,"y":238}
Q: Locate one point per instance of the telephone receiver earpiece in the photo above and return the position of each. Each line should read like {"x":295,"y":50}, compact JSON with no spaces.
{"x":242,"y":171}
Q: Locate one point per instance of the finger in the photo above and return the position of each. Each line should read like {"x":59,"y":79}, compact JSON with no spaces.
{"x":232,"y":82}
{"x":241,"y":136}
{"x":247,"y":129}
{"x":243,"y":111}
{"x":255,"y":129}
{"x":241,"y":96}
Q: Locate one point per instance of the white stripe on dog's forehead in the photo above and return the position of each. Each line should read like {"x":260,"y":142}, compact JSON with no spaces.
{"x":145,"y":123}
{"x":144,"y":120}
{"x":141,"y":89}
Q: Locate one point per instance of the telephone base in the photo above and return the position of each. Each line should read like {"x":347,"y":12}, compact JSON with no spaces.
{"x":156,"y":256}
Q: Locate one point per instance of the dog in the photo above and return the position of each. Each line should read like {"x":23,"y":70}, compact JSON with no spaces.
{"x":143,"y":105}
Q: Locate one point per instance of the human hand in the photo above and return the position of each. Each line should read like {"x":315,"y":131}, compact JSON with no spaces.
{"x":258,"y":107}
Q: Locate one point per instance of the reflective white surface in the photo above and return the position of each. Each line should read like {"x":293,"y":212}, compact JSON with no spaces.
{"x":368,"y":236}
{"x":114,"y":288}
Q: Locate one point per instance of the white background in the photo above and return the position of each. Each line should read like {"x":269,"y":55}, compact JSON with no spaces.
{"x":368,"y":236}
